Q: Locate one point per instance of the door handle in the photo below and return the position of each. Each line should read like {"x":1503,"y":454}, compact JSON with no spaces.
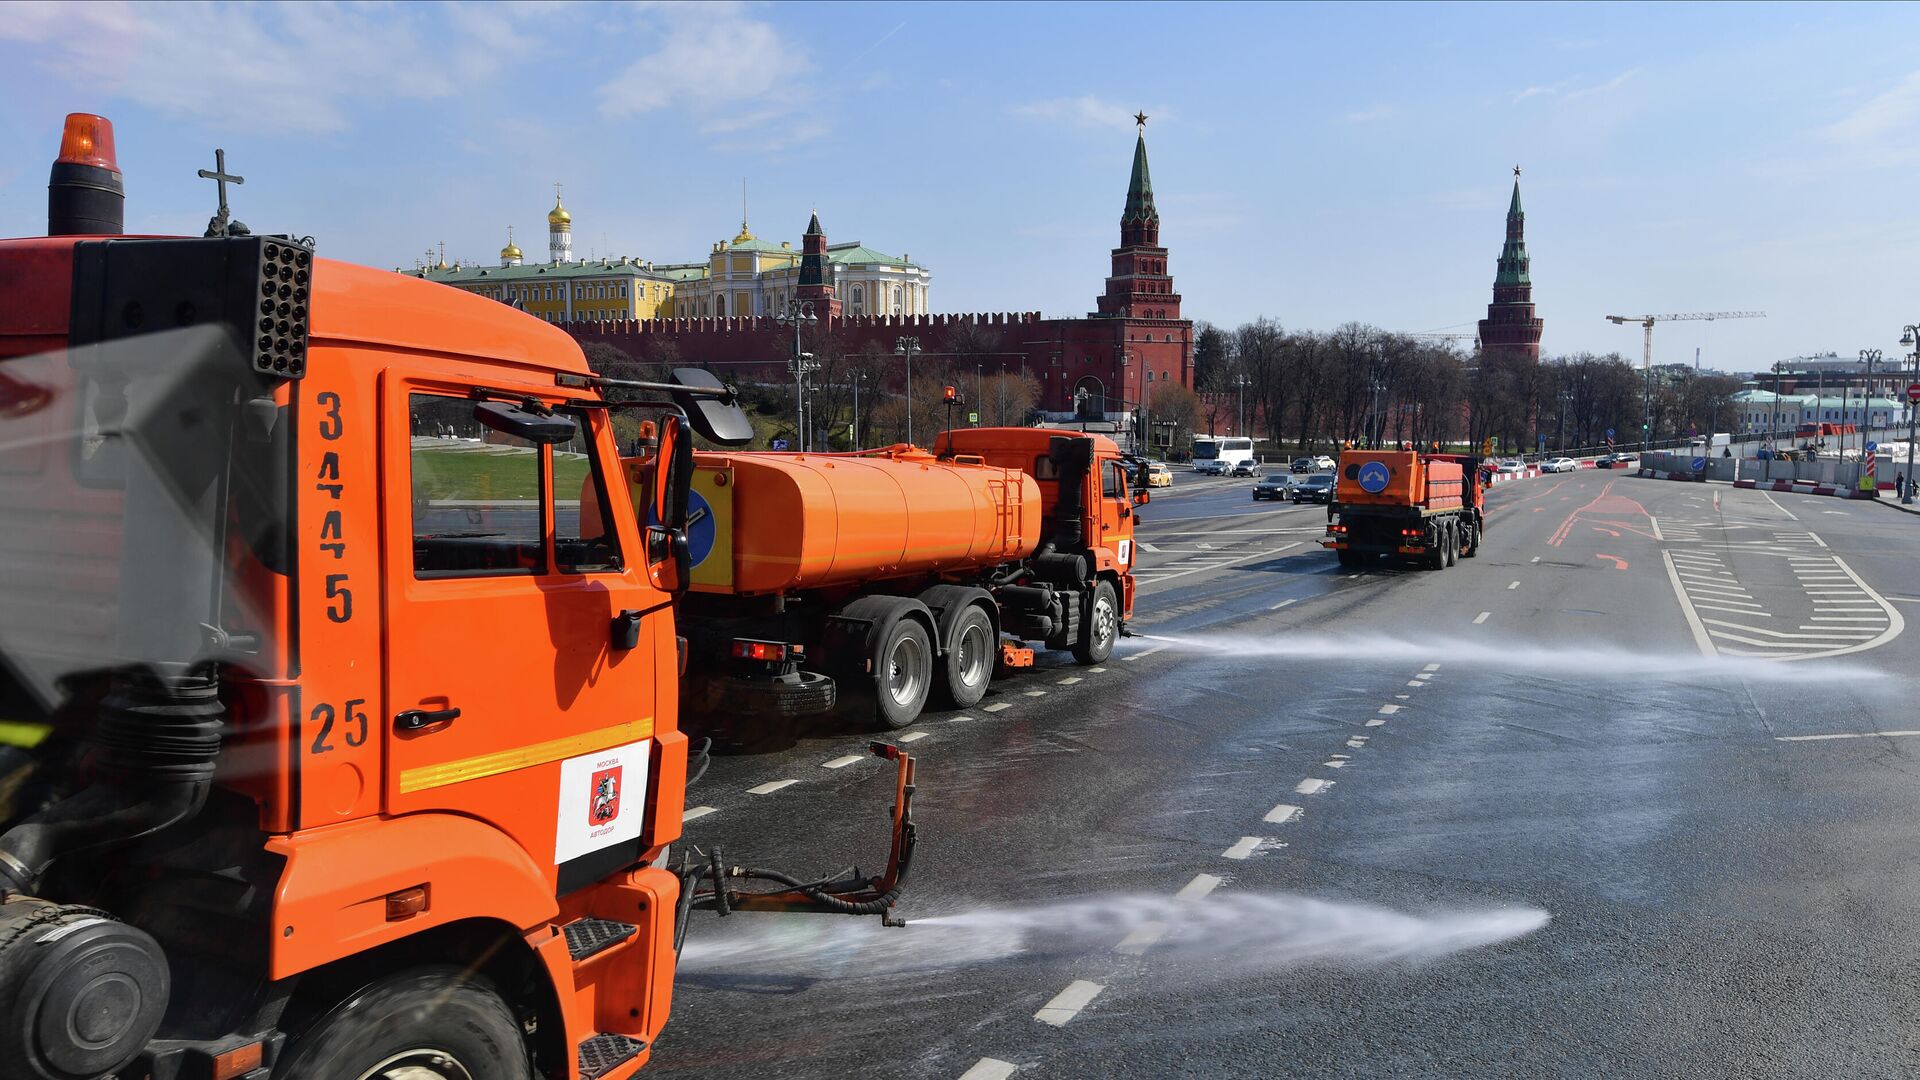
{"x":417,"y":719}
{"x":626,"y":629}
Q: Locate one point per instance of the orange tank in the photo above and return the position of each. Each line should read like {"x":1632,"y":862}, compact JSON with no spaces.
{"x":792,"y":522}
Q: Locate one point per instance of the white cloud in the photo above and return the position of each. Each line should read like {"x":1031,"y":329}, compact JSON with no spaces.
{"x":730,"y":71}
{"x":273,"y":67}
{"x":1889,"y":114}
{"x":1088,"y":111}
{"x":1371,"y":114}
{"x":1570,"y":90}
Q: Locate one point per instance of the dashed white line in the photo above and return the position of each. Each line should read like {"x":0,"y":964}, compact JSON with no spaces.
{"x":771,"y":786}
{"x":841,"y":762}
{"x":1067,"y":1003}
{"x":1284,"y":603}
{"x":1242,"y":848}
{"x":1200,"y":886}
{"x":990,"y":1069}
{"x":1375,"y":722}
{"x":912,"y":736}
{"x":1143,"y":653}
{"x":1036,"y":693}
{"x":1482,"y":617}
{"x":697,"y":812}
{"x":1513,"y":584}
{"x":1431,"y":667}
{"x":1282,"y":814}
{"x":1389,"y":710}
{"x":1312,"y":786}
{"x":1536,"y":558}
{"x":998,"y":705}
{"x":1142,"y":938}
{"x":1068,"y":681}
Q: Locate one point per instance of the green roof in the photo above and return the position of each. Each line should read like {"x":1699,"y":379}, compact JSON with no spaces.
{"x":757,"y":244}
{"x":1514,"y":207}
{"x":857,"y":252}
{"x":1140,"y":186}
{"x":598,"y":268}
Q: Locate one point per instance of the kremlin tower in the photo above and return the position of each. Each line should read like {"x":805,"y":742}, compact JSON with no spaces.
{"x":1140,"y":287}
{"x":816,"y":272}
{"x":1510,"y":325}
{"x":559,"y":231}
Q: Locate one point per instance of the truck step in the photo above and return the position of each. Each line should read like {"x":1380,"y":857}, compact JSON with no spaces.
{"x":586,"y":937}
{"x":602,"y":1054}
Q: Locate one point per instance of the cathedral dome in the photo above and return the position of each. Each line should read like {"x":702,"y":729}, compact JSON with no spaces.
{"x":511,"y":251}
{"x":558,"y":215}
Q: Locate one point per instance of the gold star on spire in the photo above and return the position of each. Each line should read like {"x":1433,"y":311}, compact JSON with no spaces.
{"x":1516,"y":172}
{"x":1140,"y":118}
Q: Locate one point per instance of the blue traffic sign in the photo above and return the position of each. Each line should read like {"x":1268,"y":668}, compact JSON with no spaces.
{"x":1374,"y":477}
{"x":779,"y":444}
{"x":1872,"y":447}
{"x":1699,"y":464}
{"x":1609,"y":433}
{"x":701,"y":529}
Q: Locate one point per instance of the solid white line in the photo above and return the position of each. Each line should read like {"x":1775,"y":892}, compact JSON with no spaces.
{"x":1700,"y":637}
{"x":1833,"y":634}
{"x":771,"y":786}
{"x":841,"y":762}
{"x":1067,"y":1003}
{"x":1748,"y":610}
{"x":1845,"y":618}
{"x":1283,"y":603}
{"x":912,"y":736}
{"x":990,"y":1069}
{"x":1861,"y":735}
{"x":1654,"y":522}
{"x":1480,"y":618}
{"x":697,"y":812}
{"x":1200,"y":886}
{"x":1769,"y":497}
{"x":1282,"y":814}
{"x":1243,"y":848}
{"x":1697,"y":587}
{"x":1311,"y":786}
{"x":1906,"y":599}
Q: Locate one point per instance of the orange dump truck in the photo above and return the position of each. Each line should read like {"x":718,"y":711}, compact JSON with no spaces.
{"x":865,"y":583}
{"x":339,"y":675}
{"x":1404,"y":502}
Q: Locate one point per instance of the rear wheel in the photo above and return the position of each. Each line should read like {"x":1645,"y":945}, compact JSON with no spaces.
{"x":969,"y":660}
{"x":1100,"y":628}
{"x":1453,"y":545}
{"x":1436,"y":556}
{"x":903,"y":674}
{"x":1347,"y":557}
{"x":432,"y":1023}
{"x":1469,"y":542}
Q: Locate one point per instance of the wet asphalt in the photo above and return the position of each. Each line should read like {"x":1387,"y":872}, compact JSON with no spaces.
{"x":1365,"y":789}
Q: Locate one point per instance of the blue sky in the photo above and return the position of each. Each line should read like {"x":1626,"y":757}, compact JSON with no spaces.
{"x":1314,"y":164}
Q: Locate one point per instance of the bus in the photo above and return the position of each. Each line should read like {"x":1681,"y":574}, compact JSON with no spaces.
{"x":1222,"y":455}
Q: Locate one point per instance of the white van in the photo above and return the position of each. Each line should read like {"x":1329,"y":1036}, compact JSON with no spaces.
{"x":1223,"y":456}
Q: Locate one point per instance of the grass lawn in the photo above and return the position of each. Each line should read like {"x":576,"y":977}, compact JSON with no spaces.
{"x":466,"y":473}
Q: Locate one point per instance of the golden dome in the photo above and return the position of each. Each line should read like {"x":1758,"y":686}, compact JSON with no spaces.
{"x":558,"y":215}
{"x":511,"y":251}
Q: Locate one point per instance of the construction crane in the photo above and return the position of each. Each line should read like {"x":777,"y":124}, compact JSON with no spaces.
{"x":1646,"y":355}
{"x":1475,"y":338}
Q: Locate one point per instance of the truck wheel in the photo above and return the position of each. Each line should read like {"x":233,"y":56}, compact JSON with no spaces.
{"x":1347,"y":556}
{"x":1100,"y":627}
{"x":1469,"y":542}
{"x":902,"y":674}
{"x":1436,"y":557}
{"x":430,"y":1023}
{"x":1453,"y":545}
{"x":969,"y":661}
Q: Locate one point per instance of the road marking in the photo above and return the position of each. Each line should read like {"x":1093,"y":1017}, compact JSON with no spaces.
{"x":1700,"y":637}
{"x":1282,"y":604}
{"x":1832,"y":632}
{"x":1778,"y":507}
{"x":1334,"y":764}
{"x":1424,"y":675}
{"x":1311,"y":786}
{"x":1200,"y":886}
{"x":1860,"y":735}
{"x":1282,"y":814}
{"x":1376,"y":722}
{"x":1144,"y":653}
{"x":1067,"y":1003}
{"x":1069,"y":680}
{"x":1400,"y":697}
{"x":697,"y":812}
{"x":1513,"y":584}
{"x":912,"y":736}
{"x":841,"y":762}
{"x":1036,"y":693}
{"x":1654,"y":523}
{"x":1906,"y":599}
{"x":771,"y":786}
{"x":1144,"y":546}
{"x":1357,"y":741}
{"x":1142,"y":938}
{"x":1215,"y":566}
{"x":1431,"y":667}
{"x":1535,"y":559}
{"x":1748,"y":610}
{"x":1242,"y":848}
{"x":1416,"y":682}
{"x":1480,"y":618}
{"x":1389,"y":710}
{"x":990,"y":1069}
{"x":958,"y":719}
{"x":1845,"y":618}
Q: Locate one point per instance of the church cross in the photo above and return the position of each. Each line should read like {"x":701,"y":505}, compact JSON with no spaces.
{"x":220,"y":176}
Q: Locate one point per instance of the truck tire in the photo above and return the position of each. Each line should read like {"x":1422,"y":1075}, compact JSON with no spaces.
{"x":1469,"y":542}
{"x":1436,"y":556}
{"x":1100,"y":627}
{"x":1452,"y":544}
{"x":967,"y":668}
{"x":902,"y":673}
{"x":1347,"y":556}
{"x":428,"y":1023}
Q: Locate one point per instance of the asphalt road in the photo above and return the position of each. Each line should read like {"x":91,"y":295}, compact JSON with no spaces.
{"x":1594,"y":803}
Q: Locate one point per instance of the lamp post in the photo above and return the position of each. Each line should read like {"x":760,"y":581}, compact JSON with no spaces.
{"x":1240,"y":416}
{"x":906,"y":347}
{"x":1910,"y":335}
{"x":853,"y":435}
{"x":1872,"y":357}
{"x":798,"y":314}
{"x":979,"y":393}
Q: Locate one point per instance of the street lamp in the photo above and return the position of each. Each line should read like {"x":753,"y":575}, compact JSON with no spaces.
{"x":1872,"y":357}
{"x":906,"y":347}
{"x":798,"y":314}
{"x":1240,"y":417}
{"x":1910,"y":336}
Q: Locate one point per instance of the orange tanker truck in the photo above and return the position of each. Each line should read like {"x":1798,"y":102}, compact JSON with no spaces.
{"x":339,"y":672}
{"x":869,"y":582}
{"x":1406,"y":503}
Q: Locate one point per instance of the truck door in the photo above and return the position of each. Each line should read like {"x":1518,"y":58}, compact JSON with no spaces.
{"x":517,"y":690}
{"x":1115,"y":512}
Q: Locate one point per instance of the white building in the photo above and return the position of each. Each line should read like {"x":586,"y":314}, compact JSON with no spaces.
{"x":750,"y":276}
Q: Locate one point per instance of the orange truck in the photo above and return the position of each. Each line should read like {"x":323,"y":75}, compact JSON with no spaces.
{"x":1406,"y":503}
{"x":870,"y":583}
{"x":340,"y":672}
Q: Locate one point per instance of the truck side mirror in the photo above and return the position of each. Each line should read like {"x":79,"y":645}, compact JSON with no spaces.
{"x":719,"y":420}
{"x":669,"y":560}
{"x":544,"y":430}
